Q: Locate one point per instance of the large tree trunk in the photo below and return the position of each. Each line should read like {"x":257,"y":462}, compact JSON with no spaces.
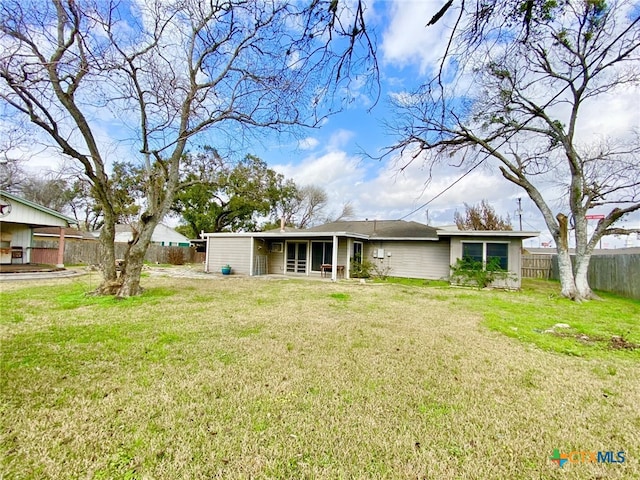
{"x":565,"y":268}
{"x":581,"y":279}
{"x":583,"y":246}
{"x":134,"y":258}
{"x":573,"y":276}
{"x":110,"y":282}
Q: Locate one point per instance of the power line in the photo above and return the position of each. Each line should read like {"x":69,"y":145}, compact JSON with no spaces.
{"x":445,"y":190}
{"x":487,"y":155}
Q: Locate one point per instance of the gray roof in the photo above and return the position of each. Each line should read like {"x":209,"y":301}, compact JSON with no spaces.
{"x":379,"y":229}
{"x":375,"y":230}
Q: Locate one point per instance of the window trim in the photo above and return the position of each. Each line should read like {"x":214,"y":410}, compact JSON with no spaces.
{"x":357,"y":242}
{"x":484,"y":250}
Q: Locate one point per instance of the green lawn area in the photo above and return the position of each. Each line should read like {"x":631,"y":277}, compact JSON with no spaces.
{"x":256,"y":378}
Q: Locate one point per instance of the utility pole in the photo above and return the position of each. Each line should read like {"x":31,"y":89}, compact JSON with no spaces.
{"x":519,"y":212}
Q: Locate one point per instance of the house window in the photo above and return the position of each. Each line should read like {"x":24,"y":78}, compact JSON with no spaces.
{"x":500,"y":252}
{"x":357,"y":252}
{"x":321,"y":253}
{"x":472,"y":254}
{"x":480,"y":254}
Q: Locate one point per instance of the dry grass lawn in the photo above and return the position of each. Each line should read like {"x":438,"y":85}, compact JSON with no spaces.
{"x":246,"y":378}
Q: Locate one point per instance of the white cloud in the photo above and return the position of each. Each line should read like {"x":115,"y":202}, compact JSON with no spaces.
{"x":339,"y":139}
{"x":308,"y":143}
{"x":610,"y":114}
{"x":407,"y":39}
{"x":328,"y":171}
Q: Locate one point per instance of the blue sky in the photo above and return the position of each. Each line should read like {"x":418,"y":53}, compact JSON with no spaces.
{"x":334,"y":156}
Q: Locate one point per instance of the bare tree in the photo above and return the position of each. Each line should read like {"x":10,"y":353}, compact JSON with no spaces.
{"x":347,"y":212}
{"x":51,"y":191}
{"x":304,"y":207}
{"x":12,"y":175}
{"x":168,"y":72}
{"x":524,"y":111}
{"x":299,"y":207}
{"x":481,"y":217}
{"x":313,"y":201}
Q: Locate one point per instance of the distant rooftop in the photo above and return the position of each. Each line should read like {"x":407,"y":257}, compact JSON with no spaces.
{"x":380,"y":229}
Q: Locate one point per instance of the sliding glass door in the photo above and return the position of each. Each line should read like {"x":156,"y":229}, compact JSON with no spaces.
{"x":321,"y":253}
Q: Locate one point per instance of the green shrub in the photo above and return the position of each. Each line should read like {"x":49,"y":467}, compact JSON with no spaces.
{"x":467,"y":271}
{"x":360,"y":268}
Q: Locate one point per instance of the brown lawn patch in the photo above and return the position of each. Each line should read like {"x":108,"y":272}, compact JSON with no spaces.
{"x":286,"y":379}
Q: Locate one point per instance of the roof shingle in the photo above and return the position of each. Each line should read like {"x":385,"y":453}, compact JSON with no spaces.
{"x":380,"y":229}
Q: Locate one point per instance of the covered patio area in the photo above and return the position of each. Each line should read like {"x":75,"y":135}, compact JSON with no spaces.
{"x":18,"y":218}
{"x":290,"y":253}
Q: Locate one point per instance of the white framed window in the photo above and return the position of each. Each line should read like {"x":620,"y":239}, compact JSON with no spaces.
{"x":486,"y":254}
{"x":358,"y":251}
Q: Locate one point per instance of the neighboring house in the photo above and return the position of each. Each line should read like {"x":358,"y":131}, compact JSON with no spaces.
{"x":401,"y":249}
{"x":18,"y":218}
{"x":162,"y":235}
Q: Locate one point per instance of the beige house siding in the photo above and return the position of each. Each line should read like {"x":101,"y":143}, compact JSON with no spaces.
{"x":234,"y":251}
{"x":276,"y":258}
{"x":412,"y":259}
{"x":514,"y":262}
{"x":344,"y":254}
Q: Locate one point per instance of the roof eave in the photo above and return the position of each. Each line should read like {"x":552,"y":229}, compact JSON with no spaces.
{"x":387,"y":239}
{"x":55,"y":235}
{"x":488,"y":233}
{"x":301,"y":234}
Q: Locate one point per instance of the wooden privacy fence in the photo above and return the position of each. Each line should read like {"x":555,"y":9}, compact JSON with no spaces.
{"x":537,"y":266}
{"x":88,"y":253}
{"x":48,"y":256}
{"x":611,"y":273}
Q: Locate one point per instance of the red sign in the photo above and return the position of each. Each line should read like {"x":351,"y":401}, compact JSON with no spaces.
{"x":594,"y":217}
